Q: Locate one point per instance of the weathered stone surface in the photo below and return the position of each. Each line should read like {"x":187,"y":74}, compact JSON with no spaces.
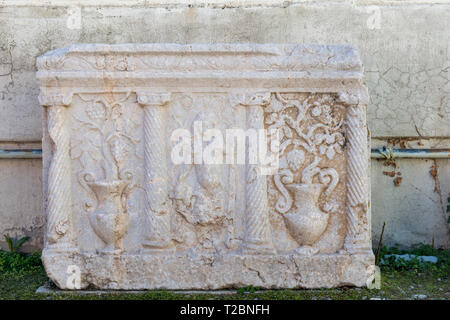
{"x":122,"y":214}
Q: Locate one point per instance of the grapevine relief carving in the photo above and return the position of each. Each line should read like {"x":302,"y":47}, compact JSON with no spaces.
{"x":309,"y":131}
{"x":110,"y":141}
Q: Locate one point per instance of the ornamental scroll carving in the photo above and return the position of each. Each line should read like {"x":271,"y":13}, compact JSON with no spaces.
{"x":108,"y":140}
{"x":311,"y":129}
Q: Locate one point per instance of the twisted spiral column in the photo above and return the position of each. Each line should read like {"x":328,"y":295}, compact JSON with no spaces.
{"x":258,"y":235}
{"x":157,"y":208}
{"x":358,"y":214}
{"x":60,"y":233}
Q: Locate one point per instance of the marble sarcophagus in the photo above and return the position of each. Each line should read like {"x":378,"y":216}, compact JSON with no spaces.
{"x":205,"y":166}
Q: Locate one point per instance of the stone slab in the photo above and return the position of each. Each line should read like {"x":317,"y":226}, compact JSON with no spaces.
{"x":125,"y":211}
{"x":210,"y":272}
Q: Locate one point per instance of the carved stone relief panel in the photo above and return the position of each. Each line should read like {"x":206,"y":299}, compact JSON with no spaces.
{"x":308,"y":191}
{"x":199,"y":192}
{"x":107,"y":162}
{"x":205,"y":166}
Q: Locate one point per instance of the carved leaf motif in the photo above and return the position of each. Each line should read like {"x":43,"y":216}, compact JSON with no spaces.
{"x":317,"y":132}
{"x":287,"y":132}
{"x":88,"y":149}
{"x":61,"y":228}
{"x":120,"y":149}
{"x":295,"y":159}
{"x":331,"y":152}
{"x":329,"y":144}
{"x":109,"y":137}
{"x":96,"y":111}
{"x":271,"y":118}
{"x":319,"y":138}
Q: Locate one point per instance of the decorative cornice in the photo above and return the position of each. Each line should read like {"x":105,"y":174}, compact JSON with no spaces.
{"x":201,"y":57}
{"x":215,"y":67}
{"x":153,"y":99}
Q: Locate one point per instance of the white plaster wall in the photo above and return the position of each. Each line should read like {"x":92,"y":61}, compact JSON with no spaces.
{"x":405,"y":47}
{"x":21,"y":201}
{"x":413,"y":211}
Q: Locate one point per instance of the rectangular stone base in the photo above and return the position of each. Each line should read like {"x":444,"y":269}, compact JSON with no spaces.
{"x":206,"y":272}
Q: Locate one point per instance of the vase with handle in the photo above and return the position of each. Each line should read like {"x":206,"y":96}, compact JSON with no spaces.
{"x":305,"y":220}
{"x":109,"y":218}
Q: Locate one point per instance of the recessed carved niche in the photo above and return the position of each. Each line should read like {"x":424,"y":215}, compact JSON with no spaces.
{"x":122,"y":214}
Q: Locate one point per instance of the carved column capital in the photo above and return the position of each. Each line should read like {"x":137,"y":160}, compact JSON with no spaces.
{"x":152,"y":99}
{"x":57,"y":99}
{"x":261,"y":99}
{"x":348,"y":98}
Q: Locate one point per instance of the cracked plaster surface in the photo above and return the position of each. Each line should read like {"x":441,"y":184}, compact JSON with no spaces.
{"x":410,"y":102}
{"x":406,"y":60}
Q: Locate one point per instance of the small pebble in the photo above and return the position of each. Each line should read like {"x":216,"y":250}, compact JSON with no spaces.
{"x":419,"y":296}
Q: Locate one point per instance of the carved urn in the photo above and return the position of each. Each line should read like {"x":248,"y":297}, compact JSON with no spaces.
{"x":110,"y":217}
{"x":305,"y":221}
